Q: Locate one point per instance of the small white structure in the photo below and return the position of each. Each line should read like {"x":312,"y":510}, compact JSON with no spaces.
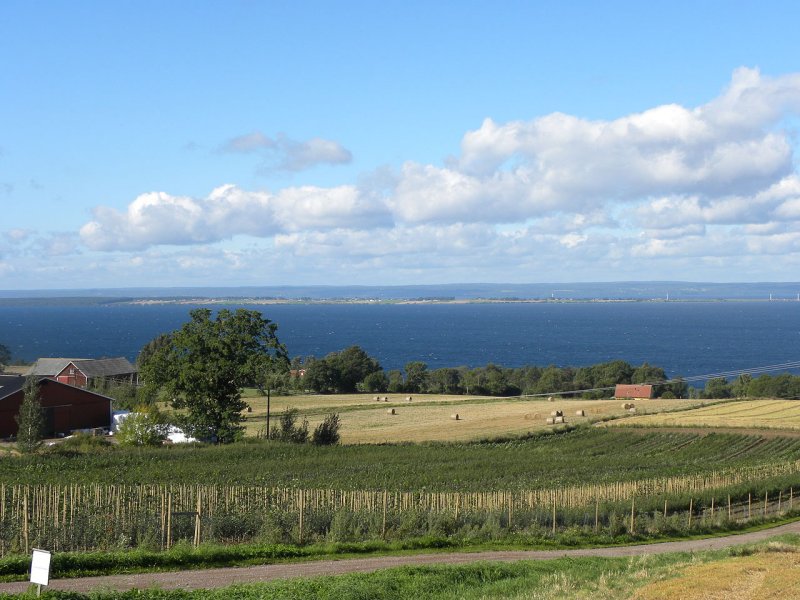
{"x":177,"y":436}
{"x":117,"y":417}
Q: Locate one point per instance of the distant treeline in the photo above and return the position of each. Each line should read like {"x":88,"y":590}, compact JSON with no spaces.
{"x":745,"y":386}
{"x":353,"y":370}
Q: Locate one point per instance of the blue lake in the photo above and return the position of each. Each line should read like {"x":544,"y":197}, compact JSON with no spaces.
{"x":685,"y":338}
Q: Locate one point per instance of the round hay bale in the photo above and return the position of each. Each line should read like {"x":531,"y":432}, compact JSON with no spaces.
{"x":560,"y":420}
{"x":390,"y":411}
{"x":550,"y":399}
{"x":377,"y":398}
{"x":580,"y":413}
{"x":408,"y":399}
{"x":632,"y":410}
{"x":455,"y":417}
{"x":249,"y":409}
{"x":550,"y":420}
{"x":385,"y":399}
{"x":626,"y":406}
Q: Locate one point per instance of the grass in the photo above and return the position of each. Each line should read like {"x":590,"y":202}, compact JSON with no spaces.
{"x":428,"y":417}
{"x":768,"y":414}
{"x":766,"y":570}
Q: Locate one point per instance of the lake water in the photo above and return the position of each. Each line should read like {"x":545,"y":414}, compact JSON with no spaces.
{"x":685,"y":338}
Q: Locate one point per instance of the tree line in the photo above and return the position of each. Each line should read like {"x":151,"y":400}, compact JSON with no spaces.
{"x":353,"y":370}
{"x":784,"y":385}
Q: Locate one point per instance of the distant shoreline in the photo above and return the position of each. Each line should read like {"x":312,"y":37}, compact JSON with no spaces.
{"x":76,"y":301}
{"x":429,"y":301}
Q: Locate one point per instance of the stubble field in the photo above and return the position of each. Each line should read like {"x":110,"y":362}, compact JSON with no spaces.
{"x":428,"y":418}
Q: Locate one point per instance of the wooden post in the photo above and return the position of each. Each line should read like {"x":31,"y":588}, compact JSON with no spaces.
{"x":554,"y":513}
{"x":596,"y":514}
{"x":712,"y":508}
{"x":197,"y":522}
{"x":729,"y":507}
{"x":691,"y":500}
{"x":25,"y":520}
{"x":780,"y":494}
{"x":385,"y":500}
{"x":268,"y":390}
{"x":302,"y":507}
{"x":665,"y":508}
{"x":633,"y":505}
{"x":510,"y":509}
{"x":169,"y":520}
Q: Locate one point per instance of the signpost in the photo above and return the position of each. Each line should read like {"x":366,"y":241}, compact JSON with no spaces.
{"x":40,"y":569}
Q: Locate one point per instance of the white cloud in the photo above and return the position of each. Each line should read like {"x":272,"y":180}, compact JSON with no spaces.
{"x":286,"y":154}
{"x":158,"y":218}
{"x":684,"y":186}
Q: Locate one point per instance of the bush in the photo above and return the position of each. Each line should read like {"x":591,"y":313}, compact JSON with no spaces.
{"x":288,"y":430}
{"x":144,"y":427}
{"x":327,"y":432}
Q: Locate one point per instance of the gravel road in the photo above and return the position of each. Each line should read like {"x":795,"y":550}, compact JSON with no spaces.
{"x":212,"y":578}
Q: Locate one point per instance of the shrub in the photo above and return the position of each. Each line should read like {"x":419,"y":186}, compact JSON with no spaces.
{"x":288,"y":430}
{"x":327,"y":432}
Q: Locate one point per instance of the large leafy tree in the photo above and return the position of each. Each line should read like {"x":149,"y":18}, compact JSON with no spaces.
{"x":30,"y":419}
{"x":340,"y":372}
{"x":206,"y":363}
{"x":416,"y":376}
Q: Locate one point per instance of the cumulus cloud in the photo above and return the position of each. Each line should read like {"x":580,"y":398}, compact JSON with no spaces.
{"x":689,"y":185}
{"x":158,"y":218}
{"x":285,"y":154}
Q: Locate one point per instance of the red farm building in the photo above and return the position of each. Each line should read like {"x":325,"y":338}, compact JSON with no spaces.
{"x":84,"y":372}
{"x":633,"y":392}
{"x":66,"y":407}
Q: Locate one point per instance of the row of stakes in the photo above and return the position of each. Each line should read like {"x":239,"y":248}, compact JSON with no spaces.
{"x":391,"y":411}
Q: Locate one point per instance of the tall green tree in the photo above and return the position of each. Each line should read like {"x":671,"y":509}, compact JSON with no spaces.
{"x":208,"y":362}
{"x":718,"y":387}
{"x":30,"y":419}
{"x":416,"y":376}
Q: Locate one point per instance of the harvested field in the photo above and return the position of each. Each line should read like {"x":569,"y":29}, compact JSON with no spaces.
{"x":429,"y":417}
{"x":773,"y":572}
{"x":771,"y":414}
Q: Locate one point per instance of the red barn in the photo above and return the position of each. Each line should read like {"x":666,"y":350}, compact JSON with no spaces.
{"x":83,"y":372}
{"x":633,"y":392}
{"x":66,"y":407}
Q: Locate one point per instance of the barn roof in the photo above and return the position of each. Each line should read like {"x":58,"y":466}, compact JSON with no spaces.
{"x":10,"y":384}
{"x":633,"y":391}
{"x":91,"y":367}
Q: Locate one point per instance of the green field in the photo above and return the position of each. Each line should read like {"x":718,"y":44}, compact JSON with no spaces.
{"x":584,"y":455}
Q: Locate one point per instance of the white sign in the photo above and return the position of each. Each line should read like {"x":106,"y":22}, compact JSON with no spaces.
{"x":40,"y":567}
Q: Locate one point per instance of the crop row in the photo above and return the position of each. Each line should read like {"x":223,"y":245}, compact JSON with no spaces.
{"x":68,"y":517}
{"x":592,"y":456}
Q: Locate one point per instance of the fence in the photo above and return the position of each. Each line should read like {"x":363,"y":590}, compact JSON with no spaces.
{"x":91,"y":517}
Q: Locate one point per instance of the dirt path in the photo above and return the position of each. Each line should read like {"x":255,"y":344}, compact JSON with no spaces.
{"x":211,"y":578}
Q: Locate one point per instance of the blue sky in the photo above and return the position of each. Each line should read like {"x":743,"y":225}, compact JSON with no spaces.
{"x":266,"y":143}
